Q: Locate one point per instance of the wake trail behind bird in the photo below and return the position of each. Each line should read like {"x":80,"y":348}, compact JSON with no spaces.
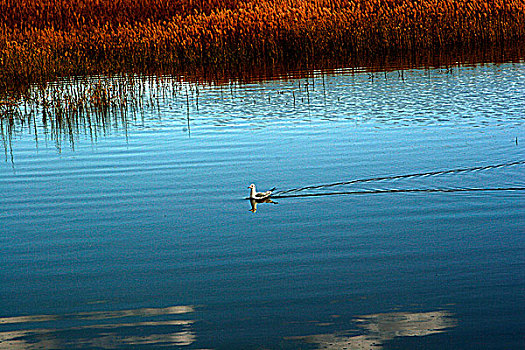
{"x":408,"y":190}
{"x":293,"y":192}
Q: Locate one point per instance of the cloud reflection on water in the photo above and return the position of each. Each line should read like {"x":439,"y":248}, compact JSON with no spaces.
{"x":141,"y":332}
{"x":380,"y":328}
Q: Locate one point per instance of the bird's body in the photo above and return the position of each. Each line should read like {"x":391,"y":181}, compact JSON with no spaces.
{"x":259,"y":195}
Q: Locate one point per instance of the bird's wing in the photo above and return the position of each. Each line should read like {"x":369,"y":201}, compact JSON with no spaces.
{"x":260,"y":195}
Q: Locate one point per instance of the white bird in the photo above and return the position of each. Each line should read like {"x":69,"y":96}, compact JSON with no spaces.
{"x":259,"y":195}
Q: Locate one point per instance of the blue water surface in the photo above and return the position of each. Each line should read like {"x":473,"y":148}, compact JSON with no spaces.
{"x":136,"y":233}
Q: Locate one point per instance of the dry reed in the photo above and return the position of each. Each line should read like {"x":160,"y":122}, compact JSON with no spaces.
{"x":44,"y":39}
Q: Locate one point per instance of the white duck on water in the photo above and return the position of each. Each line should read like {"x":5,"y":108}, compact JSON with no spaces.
{"x":259,"y":195}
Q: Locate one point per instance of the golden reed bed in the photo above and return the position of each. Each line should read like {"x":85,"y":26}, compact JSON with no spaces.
{"x":46,"y":39}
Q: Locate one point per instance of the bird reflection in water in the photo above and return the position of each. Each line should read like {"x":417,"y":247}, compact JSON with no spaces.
{"x":254,"y":203}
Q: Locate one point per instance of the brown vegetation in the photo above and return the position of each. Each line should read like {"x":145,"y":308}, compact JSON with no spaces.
{"x":45,"y":39}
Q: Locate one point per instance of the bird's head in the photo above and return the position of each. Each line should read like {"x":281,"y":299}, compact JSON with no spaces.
{"x":251,"y":186}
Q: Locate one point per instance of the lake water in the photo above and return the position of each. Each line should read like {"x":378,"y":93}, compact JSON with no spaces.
{"x":397,"y":223}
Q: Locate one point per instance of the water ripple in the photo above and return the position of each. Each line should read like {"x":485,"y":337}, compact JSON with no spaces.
{"x":285,"y":193}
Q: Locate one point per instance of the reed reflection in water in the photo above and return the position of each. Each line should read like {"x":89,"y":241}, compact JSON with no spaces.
{"x":69,"y":110}
{"x":90,"y":108}
{"x":140,"y":327}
